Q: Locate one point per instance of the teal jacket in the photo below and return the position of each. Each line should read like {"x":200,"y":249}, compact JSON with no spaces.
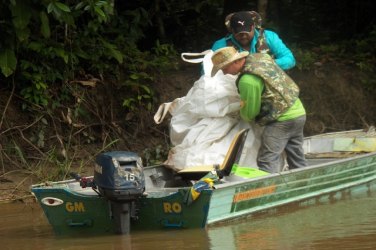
{"x":279,"y":51}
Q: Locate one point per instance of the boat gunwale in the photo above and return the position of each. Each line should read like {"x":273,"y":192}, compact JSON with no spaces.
{"x":359,"y":132}
{"x":292,"y":171}
{"x":50,"y":185}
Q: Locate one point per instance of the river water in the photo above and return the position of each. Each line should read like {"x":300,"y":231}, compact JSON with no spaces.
{"x":345,"y":224}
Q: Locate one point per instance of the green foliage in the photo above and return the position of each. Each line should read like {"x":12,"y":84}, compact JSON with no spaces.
{"x":140,"y":79}
{"x":365,"y":59}
{"x":142,"y":94}
{"x":52,"y":42}
{"x":47,"y":46}
{"x":45,"y":25}
{"x":38,"y":136}
{"x":155,"y":156}
{"x":39,"y":41}
{"x":332,"y":49}
{"x":16,"y":150}
{"x":304,"y":58}
{"x":35,"y":93}
{"x":21,"y":16}
{"x":52,"y":167}
{"x":57,"y":160}
{"x":358,"y":51}
{"x":165,"y":56}
{"x":8,"y":62}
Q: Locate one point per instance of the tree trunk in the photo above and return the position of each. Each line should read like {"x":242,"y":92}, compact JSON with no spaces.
{"x":159,"y":21}
{"x":262,"y":6}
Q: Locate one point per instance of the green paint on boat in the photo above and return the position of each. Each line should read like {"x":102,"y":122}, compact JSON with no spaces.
{"x":247,"y":172}
{"x":72,"y":209}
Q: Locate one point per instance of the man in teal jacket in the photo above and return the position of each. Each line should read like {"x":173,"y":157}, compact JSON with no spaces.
{"x":248,"y":35}
{"x":271,"y":98}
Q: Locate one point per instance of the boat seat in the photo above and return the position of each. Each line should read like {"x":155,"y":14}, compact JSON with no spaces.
{"x":232,"y":156}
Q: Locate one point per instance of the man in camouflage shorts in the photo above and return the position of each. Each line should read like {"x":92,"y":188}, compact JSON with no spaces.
{"x":271,"y":98}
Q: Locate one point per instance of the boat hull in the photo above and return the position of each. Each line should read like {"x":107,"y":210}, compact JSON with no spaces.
{"x":322,"y":182}
{"x":71,"y":209}
{"x":80,"y":213}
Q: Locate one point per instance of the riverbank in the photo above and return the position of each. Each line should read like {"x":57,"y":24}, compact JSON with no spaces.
{"x":333,"y":96}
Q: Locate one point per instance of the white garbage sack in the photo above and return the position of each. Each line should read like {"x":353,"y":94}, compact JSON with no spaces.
{"x":205,"y":121}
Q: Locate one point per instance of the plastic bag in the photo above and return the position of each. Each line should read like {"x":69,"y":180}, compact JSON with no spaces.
{"x":205,"y":121}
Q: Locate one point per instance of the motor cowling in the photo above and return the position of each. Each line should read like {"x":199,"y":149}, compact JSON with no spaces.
{"x":119,"y":177}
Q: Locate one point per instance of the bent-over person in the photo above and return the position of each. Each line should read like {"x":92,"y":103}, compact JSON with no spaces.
{"x":271,"y":98}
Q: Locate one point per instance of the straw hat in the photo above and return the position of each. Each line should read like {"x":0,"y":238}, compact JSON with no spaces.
{"x":225,"y":56}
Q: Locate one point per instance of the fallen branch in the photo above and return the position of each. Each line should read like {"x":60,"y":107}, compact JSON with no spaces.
{"x":8,"y":102}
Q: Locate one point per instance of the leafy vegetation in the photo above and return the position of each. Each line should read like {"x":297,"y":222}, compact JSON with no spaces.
{"x":85,"y":72}
{"x":359,"y":52}
{"x":53,"y":52}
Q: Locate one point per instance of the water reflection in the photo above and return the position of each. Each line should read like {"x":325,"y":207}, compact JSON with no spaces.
{"x":25,"y":227}
{"x":346,"y":224}
{"x":349,"y":224}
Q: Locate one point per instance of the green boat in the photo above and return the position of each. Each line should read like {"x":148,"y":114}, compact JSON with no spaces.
{"x":123,"y":196}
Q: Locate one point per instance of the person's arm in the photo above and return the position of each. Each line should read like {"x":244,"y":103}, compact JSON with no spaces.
{"x":221,"y":43}
{"x":250,"y":89}
{"x":282,"y":55}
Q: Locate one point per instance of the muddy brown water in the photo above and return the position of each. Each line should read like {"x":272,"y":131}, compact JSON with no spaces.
{"x":345,"y":224}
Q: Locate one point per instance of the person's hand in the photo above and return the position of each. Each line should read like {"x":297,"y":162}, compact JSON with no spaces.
{"x":242,"y":104}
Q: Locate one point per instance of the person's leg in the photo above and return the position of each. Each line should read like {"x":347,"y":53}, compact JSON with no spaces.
{"x":273,"y":141}
{"x":294,"y":147}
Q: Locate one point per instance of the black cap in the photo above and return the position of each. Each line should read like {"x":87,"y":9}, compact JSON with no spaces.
{"x":241,"y":22}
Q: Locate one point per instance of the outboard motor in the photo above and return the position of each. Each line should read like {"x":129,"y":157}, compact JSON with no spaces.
{"x":119,"y":177}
